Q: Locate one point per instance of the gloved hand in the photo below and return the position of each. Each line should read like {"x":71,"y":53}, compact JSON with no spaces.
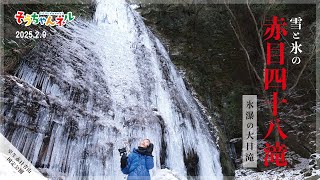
{"x":123,"y":160}
{"x":149,"y":150}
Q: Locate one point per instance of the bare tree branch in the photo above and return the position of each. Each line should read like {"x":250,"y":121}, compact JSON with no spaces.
{"x":247,"y":54}
{"x":259,"y":32}
{"x":289,"y":90}
{"x":303,"y":68}
{"x":240,"y":42}
{"x":259,"y":36}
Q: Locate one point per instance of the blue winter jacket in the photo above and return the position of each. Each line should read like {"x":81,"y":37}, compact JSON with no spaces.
{"x":138,"y":166}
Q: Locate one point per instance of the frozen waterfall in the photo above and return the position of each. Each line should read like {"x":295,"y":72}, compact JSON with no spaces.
{"x":94,"y":87}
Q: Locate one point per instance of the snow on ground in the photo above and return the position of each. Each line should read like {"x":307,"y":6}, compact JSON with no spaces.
{"x":8,"y":172}
{"x":245,"y":174}
{"x":166,"y":174}
{"x":303,"y":168}
{"x":285,"y":173}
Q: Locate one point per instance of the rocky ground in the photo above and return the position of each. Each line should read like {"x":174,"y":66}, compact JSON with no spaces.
{"x":202,"y":43}
{"x":299,"y":167}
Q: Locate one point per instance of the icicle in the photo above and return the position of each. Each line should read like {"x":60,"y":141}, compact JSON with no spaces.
{"x":95,"y":86}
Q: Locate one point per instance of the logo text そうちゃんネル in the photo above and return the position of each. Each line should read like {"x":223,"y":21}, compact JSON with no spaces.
{"x":43,"y":18}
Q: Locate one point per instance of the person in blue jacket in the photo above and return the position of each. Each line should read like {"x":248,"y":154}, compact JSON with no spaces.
{"x":139,"y":161}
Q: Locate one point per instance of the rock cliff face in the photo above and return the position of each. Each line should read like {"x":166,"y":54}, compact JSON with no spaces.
{"x":201,"y":42}
{"x":93,"y":87}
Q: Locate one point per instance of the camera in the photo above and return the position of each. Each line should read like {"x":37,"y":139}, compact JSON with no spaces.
{"x":122,"y":151}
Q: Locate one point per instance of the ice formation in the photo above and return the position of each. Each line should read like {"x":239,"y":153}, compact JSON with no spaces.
{"x":93,"y":87}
